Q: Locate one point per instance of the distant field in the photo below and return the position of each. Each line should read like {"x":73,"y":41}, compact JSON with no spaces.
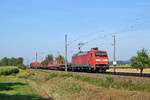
{"x":128,"y":69}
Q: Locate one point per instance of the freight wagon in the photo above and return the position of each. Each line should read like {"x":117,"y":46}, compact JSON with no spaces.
{"x":36,"y":65}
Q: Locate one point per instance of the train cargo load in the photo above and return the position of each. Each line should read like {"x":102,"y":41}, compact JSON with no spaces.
{"x":94,"y":60}
{"x":35,"y":65}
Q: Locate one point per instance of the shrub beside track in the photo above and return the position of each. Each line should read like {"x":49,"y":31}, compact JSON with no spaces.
{"x":8,"y":70}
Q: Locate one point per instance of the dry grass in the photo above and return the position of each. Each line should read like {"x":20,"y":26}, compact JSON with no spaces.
{"x":66,"y":87}
{"x":62,"y":89}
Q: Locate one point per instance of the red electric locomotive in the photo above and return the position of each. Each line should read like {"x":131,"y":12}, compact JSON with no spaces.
{"x":93,"y":60}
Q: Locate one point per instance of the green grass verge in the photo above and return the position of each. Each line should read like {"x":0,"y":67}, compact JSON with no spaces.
{"x":107,"y":82}
{"x":13,"y":88}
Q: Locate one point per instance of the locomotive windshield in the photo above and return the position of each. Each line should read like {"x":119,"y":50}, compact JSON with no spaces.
{"x":101,"y":54}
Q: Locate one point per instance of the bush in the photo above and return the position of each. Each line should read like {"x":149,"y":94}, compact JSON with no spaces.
{"x":22,"y":67}
{"x":8,"y":71}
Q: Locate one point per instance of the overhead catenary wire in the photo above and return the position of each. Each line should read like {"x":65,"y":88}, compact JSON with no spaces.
{"x":85,"y":36}
{"x":131,"y":27}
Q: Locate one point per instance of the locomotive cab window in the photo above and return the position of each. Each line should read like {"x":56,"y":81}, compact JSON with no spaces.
{"x":101,"y":54}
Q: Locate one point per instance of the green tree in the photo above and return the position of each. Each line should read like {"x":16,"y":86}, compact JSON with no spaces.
{"x":48,"y":59}
{"x":4,"y":61}
{"x":60,"y":59}
{"x":11,"y":61}
{"x":19,"y":61}
{"x":141,"y":60}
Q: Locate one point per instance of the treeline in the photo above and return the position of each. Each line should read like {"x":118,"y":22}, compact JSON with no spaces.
{"x":50,"y":59}
{"x":11,"y":61}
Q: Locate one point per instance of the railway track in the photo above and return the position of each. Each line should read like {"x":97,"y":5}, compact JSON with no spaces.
{"x":120,"y":74}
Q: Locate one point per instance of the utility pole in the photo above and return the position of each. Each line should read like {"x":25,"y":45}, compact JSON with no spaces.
{"x":36,"y":56}
{"x":66,"y":52}
{"x":27,"y":62}
{"x":114,"y":61}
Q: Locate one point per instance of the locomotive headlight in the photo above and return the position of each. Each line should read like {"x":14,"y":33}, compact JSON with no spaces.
{"x":105,"y":60}
{"x":98,"y":59}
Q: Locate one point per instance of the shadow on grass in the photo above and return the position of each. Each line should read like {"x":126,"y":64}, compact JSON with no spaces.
{"x":6,"y":86}
{"x":9,"y":86}
{"x":21,"y":97}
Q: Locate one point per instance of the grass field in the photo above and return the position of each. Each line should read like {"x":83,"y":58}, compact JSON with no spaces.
{"x":37,"y":85}
{"x":13,"y":87}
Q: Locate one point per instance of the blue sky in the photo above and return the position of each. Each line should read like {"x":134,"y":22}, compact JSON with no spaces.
{"x":27,"y":26}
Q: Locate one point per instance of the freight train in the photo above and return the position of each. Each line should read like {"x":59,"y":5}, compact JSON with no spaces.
{"x":94,"y":60}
